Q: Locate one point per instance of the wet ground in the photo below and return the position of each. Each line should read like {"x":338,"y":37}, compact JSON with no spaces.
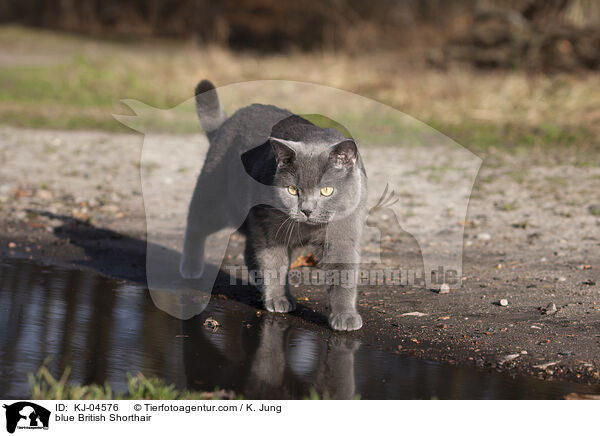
{"x":104,"y":328}
{"x":532,"y":237}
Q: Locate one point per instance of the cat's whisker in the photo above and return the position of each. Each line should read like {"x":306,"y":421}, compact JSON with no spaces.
{"x":291,"y":230}
{"x":325,"y":248}
{"x":300,"y":237}
{"x":281,"y":225}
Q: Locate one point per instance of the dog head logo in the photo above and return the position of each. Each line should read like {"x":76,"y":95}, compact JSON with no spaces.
{"x":26,"y":415}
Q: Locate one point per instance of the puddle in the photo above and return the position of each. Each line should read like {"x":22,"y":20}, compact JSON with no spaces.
{"x":104,"y":328}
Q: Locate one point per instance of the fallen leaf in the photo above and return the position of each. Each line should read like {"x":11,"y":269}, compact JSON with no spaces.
{"x":308,"y":260}
{"x":414,"y":314}
{"x":37,"y":225}
{"x":19,"y":193}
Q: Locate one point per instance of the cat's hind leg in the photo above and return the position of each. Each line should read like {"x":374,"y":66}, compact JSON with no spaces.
{"x":205,"y":216}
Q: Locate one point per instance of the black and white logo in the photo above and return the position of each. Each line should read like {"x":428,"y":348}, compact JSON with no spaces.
{"x":26,"y":415}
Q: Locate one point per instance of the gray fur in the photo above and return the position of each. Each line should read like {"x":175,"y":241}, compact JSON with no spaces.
{"x":253,"y":157}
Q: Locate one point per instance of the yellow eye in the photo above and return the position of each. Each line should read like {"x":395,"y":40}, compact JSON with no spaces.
{"x":326,"y":191}
{"x":292,"y":190}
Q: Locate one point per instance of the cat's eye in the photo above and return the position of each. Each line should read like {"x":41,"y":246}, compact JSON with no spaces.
{"x":292,"y":190}
{"x":326,"y":191}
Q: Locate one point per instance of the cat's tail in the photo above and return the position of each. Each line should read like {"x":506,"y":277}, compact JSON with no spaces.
{"x":208,"y":107}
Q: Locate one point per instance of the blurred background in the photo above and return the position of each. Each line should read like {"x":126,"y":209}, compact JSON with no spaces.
{"x":489,"y":73}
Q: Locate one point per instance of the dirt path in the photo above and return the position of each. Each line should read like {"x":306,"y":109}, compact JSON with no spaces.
{"x":532,"y":237}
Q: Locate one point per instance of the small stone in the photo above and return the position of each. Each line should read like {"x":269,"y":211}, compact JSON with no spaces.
{"x":523,"y":351}
{"x":54,"y":223}
{"x":444,"y":289}
{"x":502,"y":360}
{"x":562,"y":279}
{"x":44,"y":194}
{"x":110,"y":208}
{"x":550,"y":309}
{"x":543,"y":366}
{"x":12,"y":245}
{"x":504,"y":302}
{"x":484,"y":236}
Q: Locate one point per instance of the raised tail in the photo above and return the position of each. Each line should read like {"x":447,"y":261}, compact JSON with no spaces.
{"x":210,"y":112}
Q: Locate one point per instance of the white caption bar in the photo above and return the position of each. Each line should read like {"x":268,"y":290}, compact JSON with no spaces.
{"x":297,"y":417}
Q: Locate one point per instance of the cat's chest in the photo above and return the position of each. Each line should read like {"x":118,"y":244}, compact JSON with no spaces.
{"x":301,"y":234}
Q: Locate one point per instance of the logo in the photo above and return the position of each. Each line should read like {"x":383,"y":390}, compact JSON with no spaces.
{"x":26,"y":415}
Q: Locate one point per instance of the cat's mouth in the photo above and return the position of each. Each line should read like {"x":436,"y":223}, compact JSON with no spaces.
{"x":313,"y":221}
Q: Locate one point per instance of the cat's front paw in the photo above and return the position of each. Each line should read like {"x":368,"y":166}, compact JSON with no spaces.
{"x":189,"y":269}
{"x":280,"y":304}
{"x":345,"y":321}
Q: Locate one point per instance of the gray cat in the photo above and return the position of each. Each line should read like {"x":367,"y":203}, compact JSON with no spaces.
{"x":291,"y":184}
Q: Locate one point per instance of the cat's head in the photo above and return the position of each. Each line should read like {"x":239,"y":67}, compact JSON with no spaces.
{"x":318,"y":172}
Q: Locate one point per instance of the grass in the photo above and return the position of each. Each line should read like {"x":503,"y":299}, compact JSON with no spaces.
{"x":45,"y":387}
{"x":54,"y":80}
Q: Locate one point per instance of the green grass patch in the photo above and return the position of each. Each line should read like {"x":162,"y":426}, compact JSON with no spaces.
{"x":576,"y":145}
{"x":45,"y":387}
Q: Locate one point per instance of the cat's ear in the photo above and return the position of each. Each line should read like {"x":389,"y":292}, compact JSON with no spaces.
{"x":344,"y":154}
{"x":284,"y":151}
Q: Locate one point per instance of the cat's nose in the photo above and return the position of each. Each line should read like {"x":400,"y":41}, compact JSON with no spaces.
{"x":307,"y":212}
